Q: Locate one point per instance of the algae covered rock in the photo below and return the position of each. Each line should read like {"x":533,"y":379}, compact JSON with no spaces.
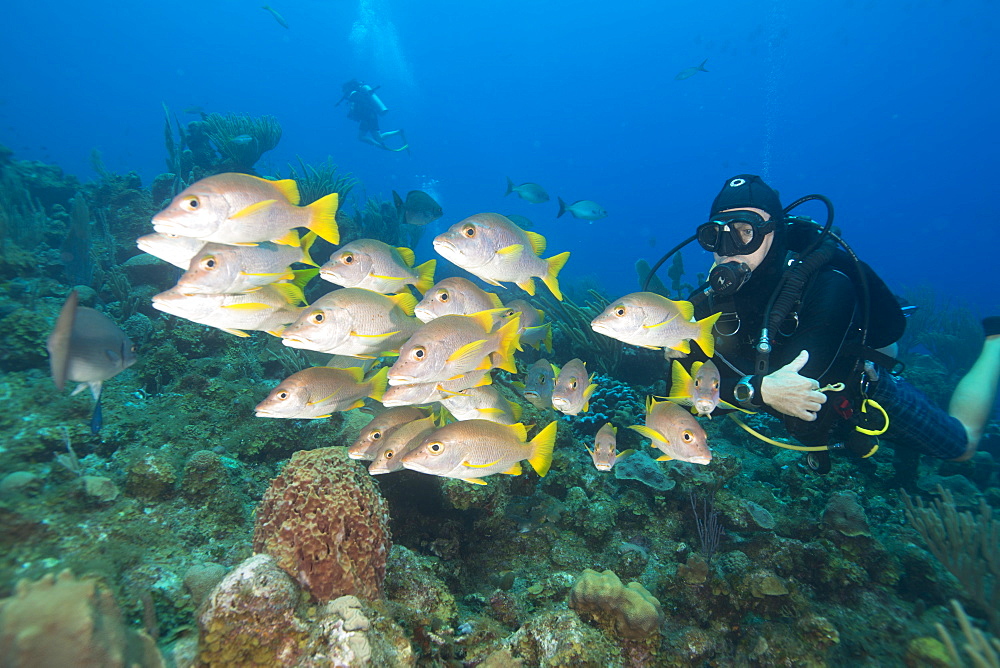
{"x":325,"y":523}
{"x":630,"y":612}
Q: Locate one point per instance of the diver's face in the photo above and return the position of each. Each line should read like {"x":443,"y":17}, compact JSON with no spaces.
{"x":754,"y":259}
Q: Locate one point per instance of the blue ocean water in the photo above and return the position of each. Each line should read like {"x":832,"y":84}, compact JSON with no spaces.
{"x":887,"y":108}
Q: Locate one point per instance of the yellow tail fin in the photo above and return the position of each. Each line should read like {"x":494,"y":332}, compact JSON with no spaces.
{"x":508,"y":340}
{"x":323,"y":217}
{"x":425,"y":275}
{"x":379,"y":382}
{"x":555,"y":265}
{"x":680,"y":381}
{"x":541,"y":449}
{"x":306,"y":242}
{"x":705,"y":339}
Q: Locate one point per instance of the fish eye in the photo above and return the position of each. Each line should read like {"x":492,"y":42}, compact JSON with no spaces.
{"x":469,"y":231}
{"x":347,"y":258}
{"x":134,"y":348}
{"x":619,"y":311}
{"x":418,"y":353}
{"x":191,"y":203}
{"x":715,"y":384}
{"x":687,"y":436}
{"x":317,"y":317}
{"x":435,"y":448}
{"x":572,"y":384}
{"x":697,"y":382}
{"x":282,"y":395}
{"x":509,"y":313}
{"x":443,"y":296}
{"x":389,"y":454}
{"x":209,"y":262}
{"x":376,"y":435}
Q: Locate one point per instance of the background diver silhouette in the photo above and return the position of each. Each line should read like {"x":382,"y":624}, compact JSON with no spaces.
{"x":365,"y":107}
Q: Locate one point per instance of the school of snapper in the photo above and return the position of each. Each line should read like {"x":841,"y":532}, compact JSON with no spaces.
{"x":237,"y":238}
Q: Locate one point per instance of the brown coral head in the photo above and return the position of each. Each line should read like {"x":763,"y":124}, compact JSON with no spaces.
{"x":844,"y":513}
{"x":630,"y":612}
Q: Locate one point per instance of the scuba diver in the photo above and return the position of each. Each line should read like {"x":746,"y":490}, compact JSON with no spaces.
{"x":808,"y":334}
{"x":365,"y":108}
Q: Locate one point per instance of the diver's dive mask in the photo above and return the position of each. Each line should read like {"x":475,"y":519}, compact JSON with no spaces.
{"x":734,"y":233}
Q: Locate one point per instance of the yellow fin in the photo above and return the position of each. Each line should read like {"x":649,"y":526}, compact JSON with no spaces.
{"x":480,"y":466}
{"x":528,"y":285}
{"x":508,"y":340}
{"x":405,"y":301}
{"x":514,"y":470}
{"x":516,"y":410}
{"x":537,"y":242}
{"x":425,"y":276}
{"x":664,"y":458}
{"x":302,"y":276}
{"x":680,"y":380}
{"x":649,"y":433}
{"x":289,"y":238}
{"x":372,"y":336}
{"x":541,"y":449}
{"x":378,"y":383}
{"x":474,"y":481}
{"x":306,"y":243}
{"x":246,"y":306}
{"x":237,"y":332}
{"x":547,"y":341}
{"x":253,"y":208}
{"x":472,"y":350}
{"x":520,"y":431}
{"x":323,"y":218}
{"x":511,"y":253}
{"x":555,"y":265}
{"x":406,"y":255}
{"x":685,"y":345}
{"x":288,"y":188}
{"x":487,"y":319}
{"x":495,"y":299}
{"x":625,"y":453}
{"x":275,"y":275}
{"x":705,"y":338}
{"x":290,"y":292}
{"x":686,"y":309}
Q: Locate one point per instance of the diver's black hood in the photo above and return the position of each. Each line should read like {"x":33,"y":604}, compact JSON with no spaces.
{"x":747,"y":191}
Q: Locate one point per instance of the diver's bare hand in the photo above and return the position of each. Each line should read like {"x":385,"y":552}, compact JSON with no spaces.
{"x":791,"y":393}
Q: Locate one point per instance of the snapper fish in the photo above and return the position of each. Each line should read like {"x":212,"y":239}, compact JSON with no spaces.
{"x":372,"y":435}
{"x":698,"y":389}
{"x":482,"y":403}
{"x":530,"y":192}
{"x":354,"y":321}
{"x":492,"y":248}
{"x":473,"y":449}
{"x":419,"y":208}
{"x":375,"y":265}
{"x":534,"y":331}
{"x":87,"y":347}
{"x":171,"y":248}
{"x":455,"y":296}
{"x":675,"y":432}
{"x":584,"y":209}
{"x":391,"y":449}
{"x":238,"y":209}
{"x":269,"y":309}
{"x":454,"y":345}
{"x":422,"y":394}
{"x":573,"y":388}
{"x":538,"y":384}
{"x":605,"y":454}
{"x":650,"y":320}
{"x":319,"y":392}
{"x":232,"y":270}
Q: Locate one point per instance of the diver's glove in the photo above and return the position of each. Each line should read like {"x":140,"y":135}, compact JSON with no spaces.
{"x":790,"y":393}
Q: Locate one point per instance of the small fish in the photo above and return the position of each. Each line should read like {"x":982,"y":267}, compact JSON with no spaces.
{"x":531,"y":192}
{"x":650,"y":320}
{"x":573,"y":388}
{"x":675,"y":432}
{"x":171,"y":248}
{"x":605,"y":453}
{"x":354,"y":321}
{"x":455,"y":345}
{"x":319,"y":392}
{"x":422,"y":394}
{"x":455,"y":296}
{"x":699,"y":389}
{"x":375,"y":265}
{"x":584,"y":209}
{"x":481,"y":403}
{"x":242,"y":140}
{"x":195,"y":110}
{"x":225,"y":269}
{"x":392,"y":449}
{"x":419,"y":208}
{"x":494,"y":249}
{"x":382,"y":425}
{"x":236,"y":208}
{"x":534,"y":331}
{"x":87,"y":347}
{"x":538,"y":384}
{"x":523,"y":222}
{"x":689,"y":72}
{"x":474,"y":449}
{"x":269,"y":309}
{"x":277,"y":17}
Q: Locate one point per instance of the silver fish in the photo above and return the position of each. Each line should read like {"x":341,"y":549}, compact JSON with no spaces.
{"x":584,"y":209}
{"x":531,"y":192}
{"x":382,"y":425}
{"x":675,"y":432}
{"x":481,"y":403}
{"x":652,"y":321}
{"x":269,"y":309}
{"x":538,"y":384}
{"x":605,"y":454}
{"x":171,"y":248}
{"x":225,"y":269}
{"x":400,"y":441}
{"x":455,"y":296}
{"x":318,"y":392}
{"x":689,"y":72}
{"x":573,"y":388}
{"x":375,"y":265}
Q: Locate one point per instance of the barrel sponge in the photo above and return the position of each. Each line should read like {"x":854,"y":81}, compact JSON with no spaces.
{"x":631,"y":612}
{"x":326,"y":525}
{"x":65,"y":621}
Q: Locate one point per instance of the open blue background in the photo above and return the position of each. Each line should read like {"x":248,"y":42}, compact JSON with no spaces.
{"x":888,"y":108}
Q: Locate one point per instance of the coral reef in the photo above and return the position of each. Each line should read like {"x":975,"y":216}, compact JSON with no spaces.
{"x":630,"y":611}
{"x":325,"y":523}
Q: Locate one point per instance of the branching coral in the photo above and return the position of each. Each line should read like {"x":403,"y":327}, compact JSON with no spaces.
{"x":320,"y":181}
{"x":241,"y":139}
